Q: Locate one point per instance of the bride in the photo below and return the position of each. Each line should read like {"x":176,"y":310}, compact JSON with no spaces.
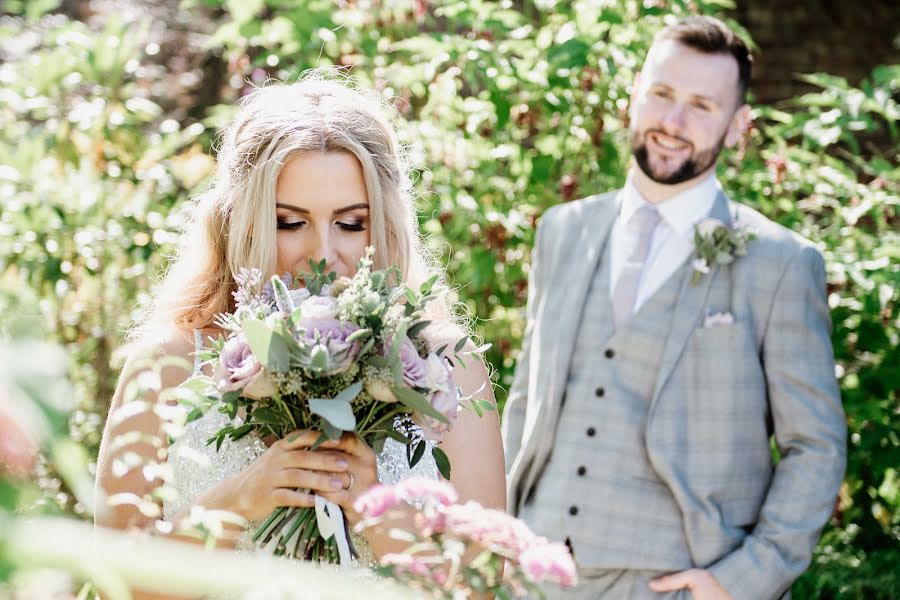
{"x":307,"y":171}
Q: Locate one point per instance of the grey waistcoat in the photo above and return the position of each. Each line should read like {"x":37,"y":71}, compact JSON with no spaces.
{"x":588,"y":491}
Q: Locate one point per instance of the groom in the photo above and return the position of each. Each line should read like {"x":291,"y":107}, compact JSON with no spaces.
{"x":652,"y":377}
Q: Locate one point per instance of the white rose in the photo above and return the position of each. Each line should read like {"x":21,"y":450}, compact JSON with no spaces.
{"x":319,"y":307}
{"x":708,"y":226}
{"x":299,"y":295}
{"x":438,"y":378}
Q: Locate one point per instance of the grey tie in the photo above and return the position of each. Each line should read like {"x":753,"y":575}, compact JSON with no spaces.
{"x":642,"y":223}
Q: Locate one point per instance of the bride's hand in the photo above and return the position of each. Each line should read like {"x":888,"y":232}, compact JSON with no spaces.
{"x":361,"y":473}
{"x":281,"y":476}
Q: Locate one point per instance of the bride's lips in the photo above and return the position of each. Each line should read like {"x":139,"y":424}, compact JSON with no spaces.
{"x":667,"y":145}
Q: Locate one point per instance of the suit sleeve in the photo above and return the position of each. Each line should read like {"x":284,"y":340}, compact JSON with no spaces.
{"x":810,"y":432}
{"x":516,"y":404}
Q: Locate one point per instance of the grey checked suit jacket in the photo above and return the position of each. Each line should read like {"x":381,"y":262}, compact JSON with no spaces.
{"x":720,"y":393}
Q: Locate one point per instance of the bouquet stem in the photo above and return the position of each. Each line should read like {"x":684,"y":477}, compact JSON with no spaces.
{"x":309,"y":544}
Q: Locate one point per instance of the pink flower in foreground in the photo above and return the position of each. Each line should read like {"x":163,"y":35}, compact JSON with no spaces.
{"x":377,"y":501}
{"x":419,"y":489}
{"x":490,"y":528}
{"x":549,"y":562}
{"x":407,"y":564}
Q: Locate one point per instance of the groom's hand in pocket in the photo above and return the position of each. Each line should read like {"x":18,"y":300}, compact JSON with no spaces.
{"x":700,"y":582}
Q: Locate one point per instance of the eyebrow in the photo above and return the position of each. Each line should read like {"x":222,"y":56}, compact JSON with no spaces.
{"x":697,"y":96}
{"x":338,"y":211}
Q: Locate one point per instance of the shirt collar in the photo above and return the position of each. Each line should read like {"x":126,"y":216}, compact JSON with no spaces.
{"x":680,"y":212}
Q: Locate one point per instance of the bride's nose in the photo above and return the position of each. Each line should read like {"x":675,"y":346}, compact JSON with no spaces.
{"x":326,"y":249}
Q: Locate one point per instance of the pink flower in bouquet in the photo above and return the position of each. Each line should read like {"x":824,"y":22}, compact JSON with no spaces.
{"x":377,"y":501}
{"x":419,"y":489}
{"x":331,"y":335}
{"x":444,"y":397}
{"x":490,"y":528}
{"x":238,"y":369}
{"x":549,"y":562}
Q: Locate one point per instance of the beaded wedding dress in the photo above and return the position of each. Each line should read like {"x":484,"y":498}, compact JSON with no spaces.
{"x":195,"y":466}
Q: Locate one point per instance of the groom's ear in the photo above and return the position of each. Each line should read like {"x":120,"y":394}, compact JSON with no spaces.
{"x":632,"y":99}
{"x":740,"y":123}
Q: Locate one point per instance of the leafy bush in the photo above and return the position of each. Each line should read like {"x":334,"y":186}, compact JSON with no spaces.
{"x":511,"y":107}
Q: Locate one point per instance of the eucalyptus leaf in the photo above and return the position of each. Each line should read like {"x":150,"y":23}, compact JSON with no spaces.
{"x":336,"y":412}
{"x":415,"y":401}
{"x":269,"y":348}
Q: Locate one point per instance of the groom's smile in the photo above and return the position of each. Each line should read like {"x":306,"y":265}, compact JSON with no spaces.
{"x":685,"y":106}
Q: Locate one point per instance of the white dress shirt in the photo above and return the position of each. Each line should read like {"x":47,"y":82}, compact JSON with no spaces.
{"x":673,"y":238}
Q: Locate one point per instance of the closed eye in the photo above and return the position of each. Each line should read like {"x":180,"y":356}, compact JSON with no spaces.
{"x":351,"y":227}
{"x":290,"y":225}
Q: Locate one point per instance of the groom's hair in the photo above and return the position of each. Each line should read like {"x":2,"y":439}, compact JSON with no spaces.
{"x":711,"y":36}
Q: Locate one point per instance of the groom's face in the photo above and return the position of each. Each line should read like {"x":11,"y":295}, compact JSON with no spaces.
{"x":685,"y":107}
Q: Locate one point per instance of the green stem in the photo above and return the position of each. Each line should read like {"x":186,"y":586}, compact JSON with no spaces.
{"x":285,"y":537}
{"x":268,"y":523}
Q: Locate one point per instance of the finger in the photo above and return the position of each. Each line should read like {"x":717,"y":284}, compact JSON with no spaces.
{"x":319,"y":460}
{"x":311,"y":480}
{"x":671,"y":583}
{"x":286,"y":497}
{"x":343,"y":498}
{"x":301,"y":438}
{"x":352,"y":444}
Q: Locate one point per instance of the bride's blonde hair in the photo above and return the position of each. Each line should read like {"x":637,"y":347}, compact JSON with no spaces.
{"x":232,"y":224}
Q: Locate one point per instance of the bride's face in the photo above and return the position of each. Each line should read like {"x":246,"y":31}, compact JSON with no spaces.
{"x":322,"y":212}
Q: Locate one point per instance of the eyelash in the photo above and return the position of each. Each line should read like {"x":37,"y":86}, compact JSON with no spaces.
{"x":349,"y":227}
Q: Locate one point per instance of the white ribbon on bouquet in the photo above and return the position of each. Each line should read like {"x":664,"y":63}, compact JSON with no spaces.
{"x":330,"y":519}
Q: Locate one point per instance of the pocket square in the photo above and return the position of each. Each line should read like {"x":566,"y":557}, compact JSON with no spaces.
{"x":714,"y":319}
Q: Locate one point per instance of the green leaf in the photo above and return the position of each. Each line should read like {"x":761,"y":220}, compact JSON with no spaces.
{"x":331,"y":432}
{"x":460,"y":345}
{"x":415,"y":401}
{"x":270,"y":349}
{"x":336,"y":412}
{"x":417,"y":454}
{"x":324,"y":437}
{"x":570,"y":54}
{"x":266,"y":414}
{"x":416,"y":329}
{"x":350,"y":393}
{"x":442,"y":462}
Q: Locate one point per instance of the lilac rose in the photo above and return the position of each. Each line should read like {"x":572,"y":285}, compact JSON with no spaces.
{"x":444,"y":396}
{"x":331,"y":353}
{"x":238,"y":370}
{"x":415,"y":370}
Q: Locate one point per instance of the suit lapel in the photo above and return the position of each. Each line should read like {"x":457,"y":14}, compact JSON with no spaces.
{"x":691,"y":301}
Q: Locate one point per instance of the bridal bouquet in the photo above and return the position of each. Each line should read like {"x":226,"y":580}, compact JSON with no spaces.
{"x":458,"y":550}
{"x":336,"y":355}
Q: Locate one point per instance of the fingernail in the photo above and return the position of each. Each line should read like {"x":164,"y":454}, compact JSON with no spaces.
{"x":341,"y":463}
{"x":337,"y":484}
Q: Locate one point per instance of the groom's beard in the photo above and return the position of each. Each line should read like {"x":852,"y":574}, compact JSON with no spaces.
{"x":698,"y":162}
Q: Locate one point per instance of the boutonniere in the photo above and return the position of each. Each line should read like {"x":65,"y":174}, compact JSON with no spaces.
{"x":716,"y":243}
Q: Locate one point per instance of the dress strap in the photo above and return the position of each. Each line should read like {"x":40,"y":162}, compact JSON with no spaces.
{"x":198,"y":347}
